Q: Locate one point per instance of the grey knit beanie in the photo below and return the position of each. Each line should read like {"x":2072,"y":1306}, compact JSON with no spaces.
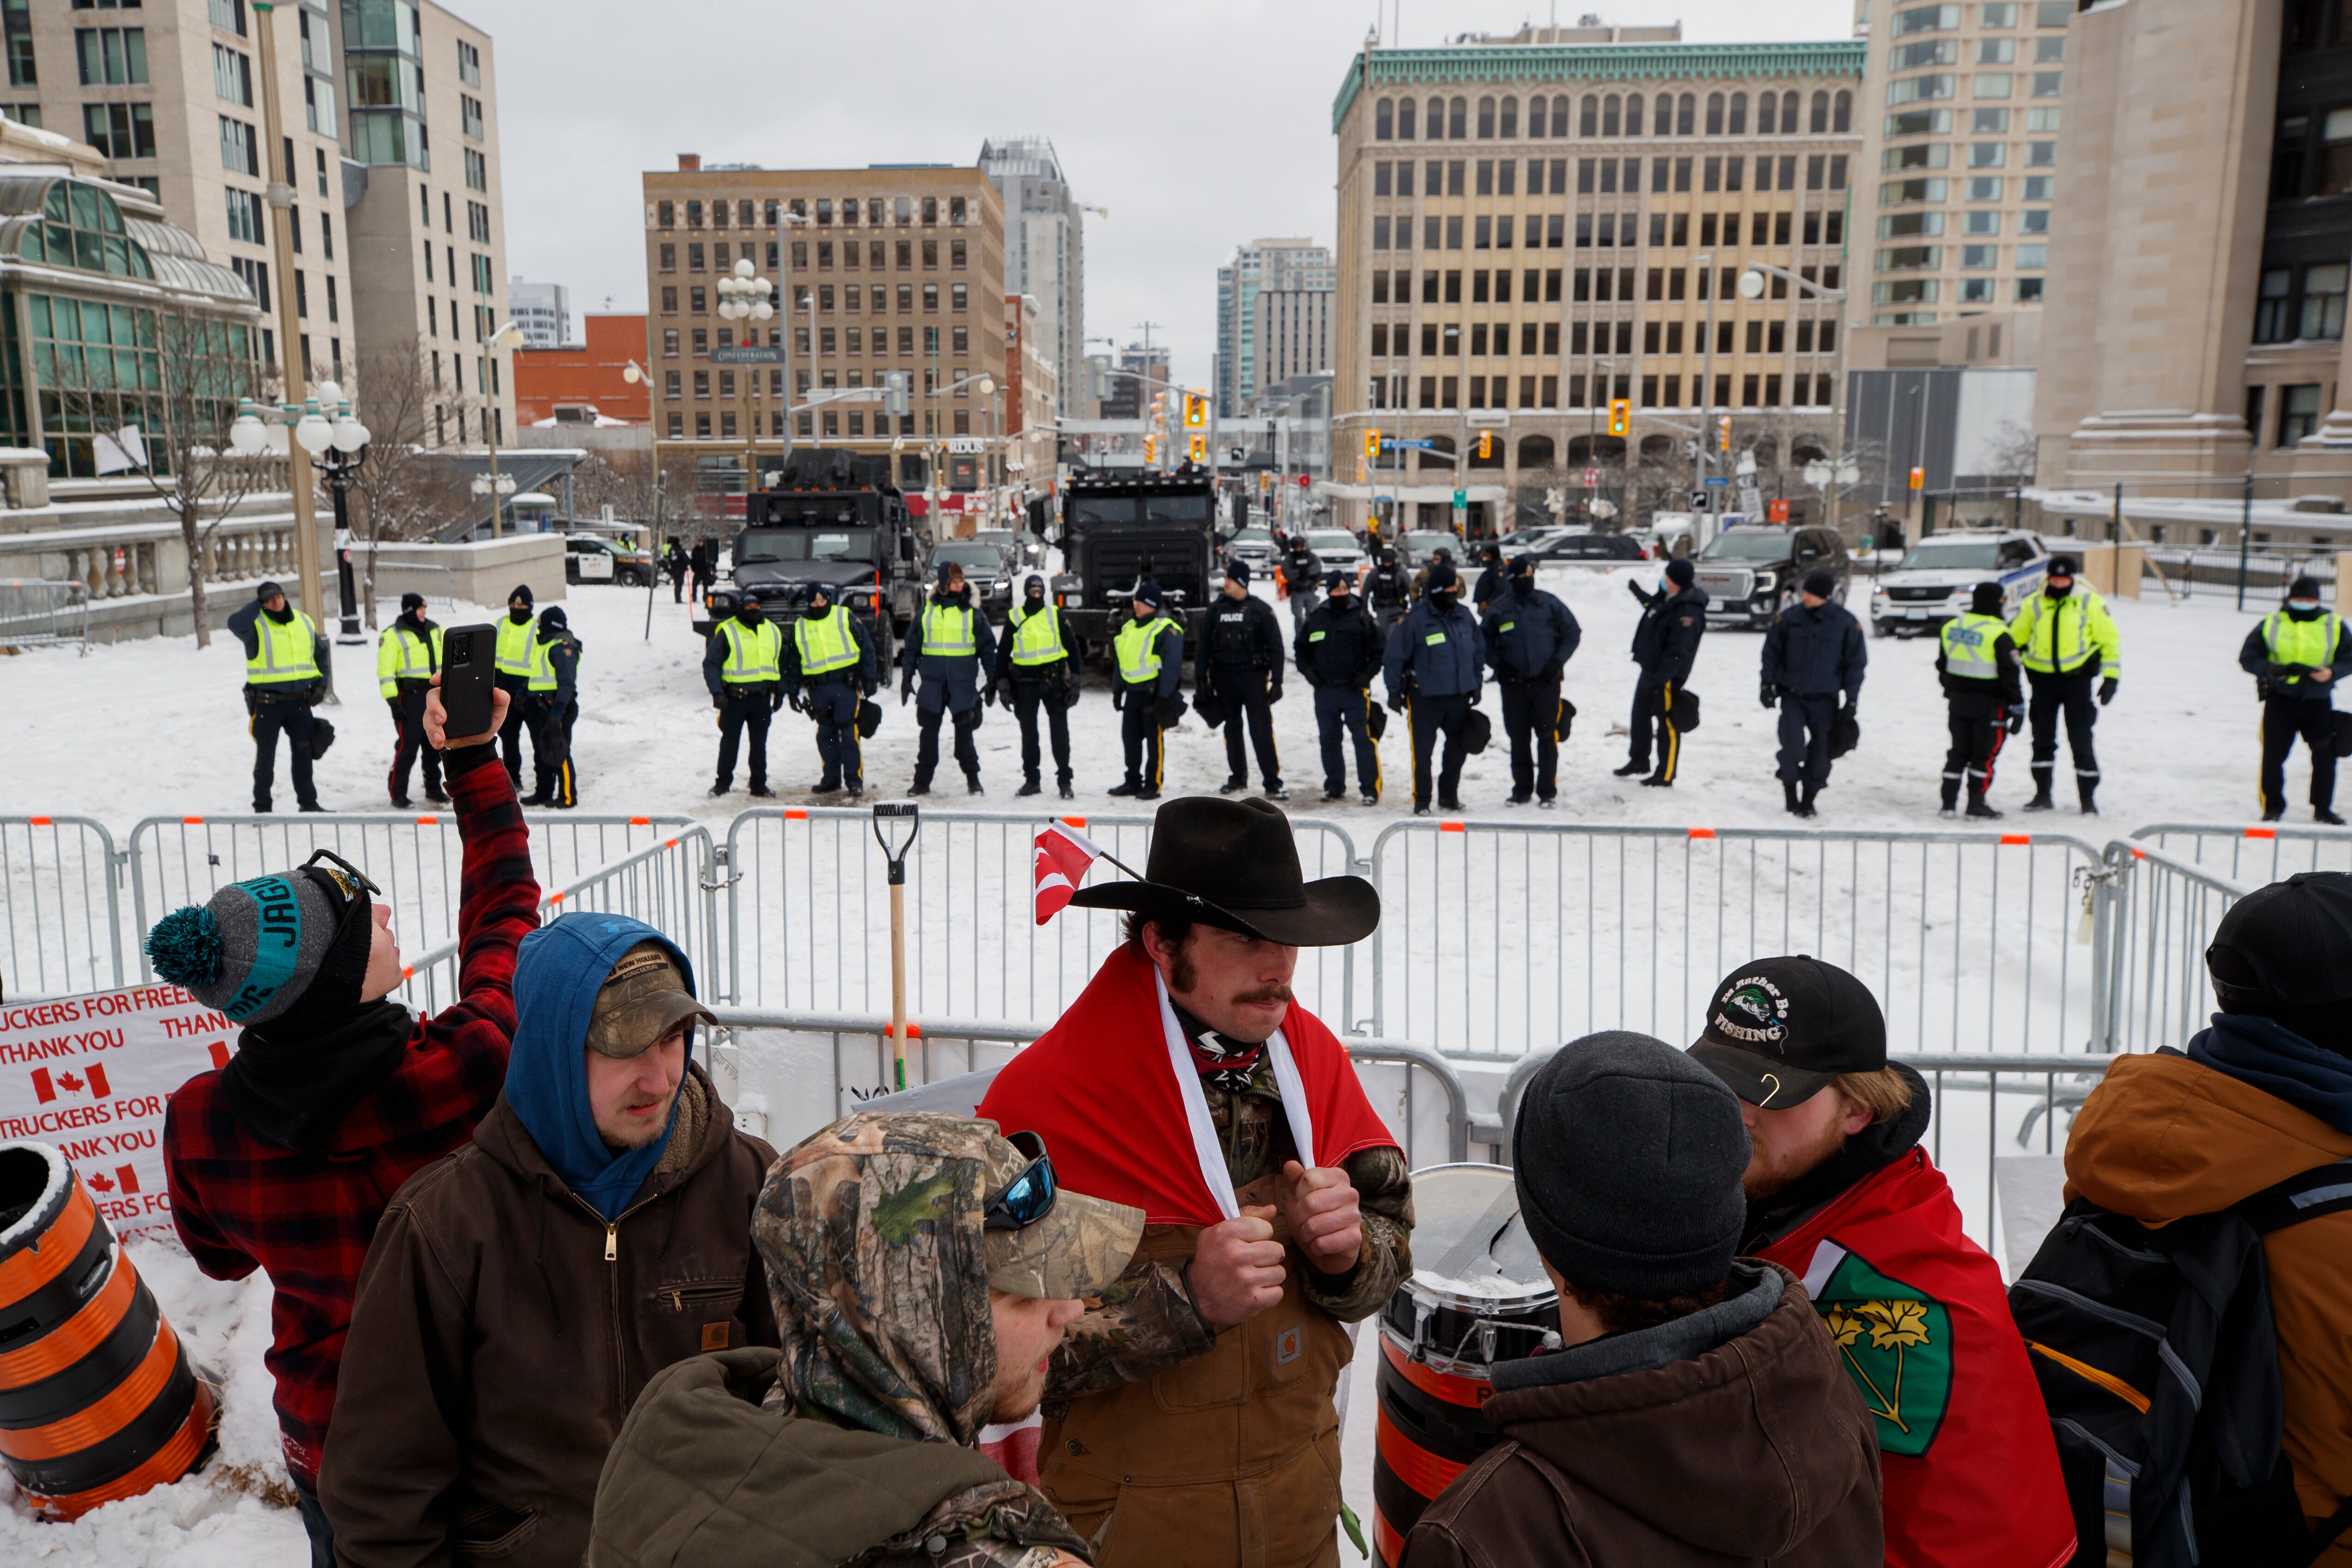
{"x":1627,"y":1157}
{"x":288,"y":951}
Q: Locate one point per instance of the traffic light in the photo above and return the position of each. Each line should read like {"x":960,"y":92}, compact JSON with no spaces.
{"x":1621,"y":416}
{"x":1150,"y":450}
{"x":1918,"y":478}
{"x":1723,"y":437}
{"x":1196,"y":410}
{"x":1199,"y":449}
{"x":1485,"y":444}
{"x":1371,"y":444}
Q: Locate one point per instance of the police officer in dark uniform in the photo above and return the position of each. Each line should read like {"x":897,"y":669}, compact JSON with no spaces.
{"x":1037,"y":662}
{"x":1814,"y":652}
{"x":553,"y":697}
{"x":1301,"y":572}
{"x":742,"y":665}
{"x":513,"y":677}
{"x":1432,"y":670}
{"x":1666,"y":644}
{"x":1241,"y":661}
{"x":1388,"y":591}
{"x":1339,"y":650}
{"x":1491,"y":577}
{"x":1530,"y":636}
{"x":2296,"y":656}
{"x":285,"y":661}
{"x":1984,"y":695}
{"x":951,"y":646}
{"x":1147,"y":669}
{"x":828,"y":664}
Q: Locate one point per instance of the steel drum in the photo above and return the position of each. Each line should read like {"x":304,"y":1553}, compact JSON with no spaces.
{"x":1478,"y":1296}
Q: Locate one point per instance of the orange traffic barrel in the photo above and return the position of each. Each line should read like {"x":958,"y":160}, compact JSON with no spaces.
{"x":1480,"y":1296}
{"x":98,"y":1400}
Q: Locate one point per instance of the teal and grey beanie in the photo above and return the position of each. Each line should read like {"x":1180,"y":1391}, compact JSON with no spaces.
{"x":285,"y":953}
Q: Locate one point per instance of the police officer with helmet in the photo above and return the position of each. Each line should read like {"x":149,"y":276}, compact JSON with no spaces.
{"x":407,"y":656}
{"x":1038,"y":661}
{"x":742,"y":667}
{"x":513,"y":675}
{"x":2067,"y":640}
{"x":1148,"y":660}
{"x":1388,"y":591}
{"x":283,"y":658}
{"x":951,"y":646}
{"x":1984,"y":700}
{"x":2296,"y":656}
{"x":828,"y":665}
{"x":1241,"y":662}
{"x":1338,"y":649}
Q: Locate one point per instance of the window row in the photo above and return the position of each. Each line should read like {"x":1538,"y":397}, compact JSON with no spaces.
{"x":1446,"y":340}
{"x":1971,"y":257}
{"x":111,"y":57}
{"x":1984,"y":83}
{"x":1760,"y":390}
{"x":1975,"y":188}
{"x":2300,"y":302}
{"x":1609,"y":230}
{"x":1993,"y":121}
{"x":1978,"y":155}
{"x":879,"y":340}
{"x":1931,"y":225}
{"x":1928,"y":290}
{"x":1995,"y":13}
{"x":1789,"y":113}
{"x":1931,"y":52}
{"x":1493,"y":286}
{"x":1606,"y":176}
{"x":877,"y":210}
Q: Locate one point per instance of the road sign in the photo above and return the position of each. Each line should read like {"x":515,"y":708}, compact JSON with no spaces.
{"x":747,"y":355}
{"x":1461,"y":500}
{"x":1717,"y":481}
{"x":1592,"y":478}
{"x":1423,"y":444}
{"x":1699,"y":500}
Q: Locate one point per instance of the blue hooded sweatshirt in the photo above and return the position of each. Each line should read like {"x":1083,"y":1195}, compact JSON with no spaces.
{"x":558,"y":972}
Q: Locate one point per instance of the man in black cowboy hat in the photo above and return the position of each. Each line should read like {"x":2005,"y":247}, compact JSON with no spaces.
{"x":1187,"y":1082}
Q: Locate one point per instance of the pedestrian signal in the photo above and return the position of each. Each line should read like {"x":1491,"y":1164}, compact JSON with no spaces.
{"x":1485,"y":444}
{"x":1371,"y":444}
{"x":1723,"y":437}
{"x":1199,"y":449}
{"x":1196,"y":410}
{"x":1621,"y":416}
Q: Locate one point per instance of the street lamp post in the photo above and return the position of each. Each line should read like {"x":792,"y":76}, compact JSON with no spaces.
{"x":1755,"y":289}
{"x":1592,"y":435}
{"x":509,"y":336}
{"x":1706,"y":435}
{"x":289,"y":329}
{"x":339,"y":461}
{"x":744,"y":297}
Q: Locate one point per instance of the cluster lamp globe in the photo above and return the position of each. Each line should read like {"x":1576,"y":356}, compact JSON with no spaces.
{"x":744,"y":294}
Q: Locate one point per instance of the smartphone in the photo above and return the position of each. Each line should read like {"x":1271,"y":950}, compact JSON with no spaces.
{"x":469,"y":661}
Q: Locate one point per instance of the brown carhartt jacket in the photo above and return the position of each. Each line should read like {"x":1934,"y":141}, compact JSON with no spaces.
{"x":502,"y":1330}
{"x":1756,"y":1450}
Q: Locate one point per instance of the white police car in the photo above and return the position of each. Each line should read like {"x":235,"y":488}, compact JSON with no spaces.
{"x":1938,"y":575}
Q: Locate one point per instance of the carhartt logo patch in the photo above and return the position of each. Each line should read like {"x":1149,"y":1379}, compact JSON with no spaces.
{"x":714,"y":1336}
{"x":1286,"y":1347}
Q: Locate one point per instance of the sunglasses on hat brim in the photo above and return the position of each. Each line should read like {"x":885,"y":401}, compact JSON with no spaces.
{"x":1028,"y":1198}
{"x":349,"y":870}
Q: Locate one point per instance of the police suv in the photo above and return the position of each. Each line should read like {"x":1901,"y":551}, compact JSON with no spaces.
{"x":1934,"y":581}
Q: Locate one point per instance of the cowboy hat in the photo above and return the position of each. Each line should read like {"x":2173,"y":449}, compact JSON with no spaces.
{"x":1234,"y":864}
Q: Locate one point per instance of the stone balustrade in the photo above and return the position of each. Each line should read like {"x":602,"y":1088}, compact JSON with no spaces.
{"x":132,"y":566}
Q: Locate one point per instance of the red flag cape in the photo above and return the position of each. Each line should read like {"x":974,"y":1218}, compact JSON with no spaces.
{"x":1098,"y":1087}
{"x":1923,"y":1330}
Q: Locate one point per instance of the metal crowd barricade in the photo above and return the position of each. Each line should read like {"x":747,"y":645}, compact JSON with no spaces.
{"x":61,"y":900}
{"x":2271,"y":852}
{"x":416,"y":859}
{"x":1968,"y":939}
{"x":2165,"y":906}
{"x":808,"y":922}
{"x":797,"y":1072}
{"x":36,"y":613}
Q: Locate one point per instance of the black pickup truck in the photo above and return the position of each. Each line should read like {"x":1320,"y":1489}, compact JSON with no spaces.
{"x":830,"y":518}
{"x":1116,"y":529}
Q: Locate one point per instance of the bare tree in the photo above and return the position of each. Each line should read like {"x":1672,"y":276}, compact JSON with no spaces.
{"x":2015,"y":451}
{"x":400,"y":492}
{"x":177,"y":384}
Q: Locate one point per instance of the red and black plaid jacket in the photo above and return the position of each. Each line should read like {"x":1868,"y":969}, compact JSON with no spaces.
{"x":307,"y":1216}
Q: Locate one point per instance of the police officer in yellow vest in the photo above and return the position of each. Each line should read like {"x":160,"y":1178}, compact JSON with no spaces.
{"x":1039,"y":659}
{"x":2296,"y":656}
{"x":1147,"y":662}
{"x":552,"y":695}
{"x":283,"y":655}
{"x":829,"y":667}
{"x":950,"y":645}
{"x":516,"y":630}
{"x":406,"y":656}
{"x":744,"y":666}
{"x":2067,"y":640}
{"x":1984,"y":701}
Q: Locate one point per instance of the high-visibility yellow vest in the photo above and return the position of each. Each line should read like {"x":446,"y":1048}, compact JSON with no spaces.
{"x":754,"y":653}
{"x":2055,"y":635}
{"x":402,"y":655}
{"x":1037,"y":638}
{"x":542,"y":666}
{"x":824,"y":645}
{"x":947,"y":632}
{"x":2310,"y":644}
{"x":1136,"y":648}
{"x":514,"y":644}
{"x":1968,"y":646}
{"x":282,"y":654}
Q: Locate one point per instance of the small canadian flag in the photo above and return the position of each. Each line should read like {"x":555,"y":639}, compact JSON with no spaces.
{"x":1064,"y":853}
{"x":45,"y":1087}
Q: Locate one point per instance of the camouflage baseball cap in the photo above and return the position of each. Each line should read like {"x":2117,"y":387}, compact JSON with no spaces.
{"x":641,"y":1000}
{"x":1076,"y":1248}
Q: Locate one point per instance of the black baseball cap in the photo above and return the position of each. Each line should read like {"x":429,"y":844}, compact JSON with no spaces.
{"x":1780,"y":1030}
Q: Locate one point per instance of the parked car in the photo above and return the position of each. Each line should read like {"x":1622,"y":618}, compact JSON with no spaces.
{"x":1419,"y":544}
{"x":988,"y":568}
{"x":1027,"y":550}
{"x":587,"y":558}
{"x":1751,"y":573}
{"x":1935,"y":578}
{"x":1339,"y":550}
{"x":1253,"y":548}
{"x":1599,"y":550}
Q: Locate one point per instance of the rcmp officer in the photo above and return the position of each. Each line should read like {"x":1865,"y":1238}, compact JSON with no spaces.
{"x":1389,"y":590}
{"x":406,"y":656}
{"x":1301,"y":570}
{"x":1432,"y":672}
{"x":1338,"y":652}
{"x":1666,"y":644}
{"x":1985,"y":702}
{"x":513,"y":677}
{"x":1814,"y":652}
{"x":554,"y":697}
{"x":1038,"y":662}
{"x":829,"y":665}
{"x":742,"y":665}
{"x":1147,"y":659}
{"x":2066,"y":638}
{"x":1530,"y":636}
{"x":283,"y":652}
{"x":2297,"y":656}
{"x":951,"y":646}
{"x":1241,"y":662}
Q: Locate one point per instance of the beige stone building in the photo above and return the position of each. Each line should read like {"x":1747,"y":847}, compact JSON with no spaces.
{"x":876,"y":270}
{"x":1032,"y":393}
{"x":1528,"y":229}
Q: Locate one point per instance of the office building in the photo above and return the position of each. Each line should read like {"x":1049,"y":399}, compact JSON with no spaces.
{"x":1045,"y":250}
{"x":895,"y":268}
{"x":1285,"y":266}
{"x":1292,"y":337}
{"x":566,"y":382}
{"x":543,"y":312}
{"x":1139,"y":376}
{"x":1528,"y":231}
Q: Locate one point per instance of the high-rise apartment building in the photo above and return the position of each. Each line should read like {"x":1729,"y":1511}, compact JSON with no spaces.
{"x":1528,"y":231}
{"x":543,"y":312}
{"x":1963,"y":104}
{"x":170,"y":92}
{"x":896,"y":268}
{"x":1045,"y":251}
{"x":1261,"y":265}
{"x":1293,"y":336}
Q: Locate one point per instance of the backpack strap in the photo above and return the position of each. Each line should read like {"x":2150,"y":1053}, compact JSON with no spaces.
{"x":2327,"y":1189}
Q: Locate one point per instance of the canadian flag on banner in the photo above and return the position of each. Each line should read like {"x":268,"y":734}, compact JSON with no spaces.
{"x":1064,"y":853}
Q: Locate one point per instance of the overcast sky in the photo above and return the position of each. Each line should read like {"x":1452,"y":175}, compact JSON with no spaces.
{"x":1199,"y":123}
